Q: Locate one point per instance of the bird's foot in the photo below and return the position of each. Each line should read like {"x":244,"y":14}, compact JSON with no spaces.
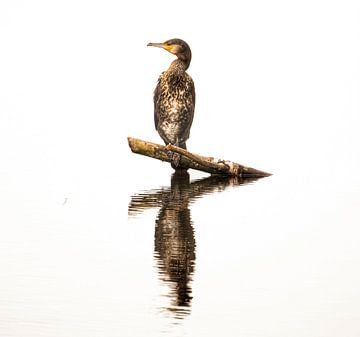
{"x":175,"y":160}
{"x":169,"y":153}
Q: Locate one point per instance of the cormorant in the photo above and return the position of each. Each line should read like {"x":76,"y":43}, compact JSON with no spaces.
{"x":174,"y":97}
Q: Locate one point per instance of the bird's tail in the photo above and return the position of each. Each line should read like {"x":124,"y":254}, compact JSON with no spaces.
{"x":182,"y":145}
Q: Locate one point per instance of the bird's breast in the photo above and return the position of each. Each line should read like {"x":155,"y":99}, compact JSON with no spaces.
{"x":174,"y":106}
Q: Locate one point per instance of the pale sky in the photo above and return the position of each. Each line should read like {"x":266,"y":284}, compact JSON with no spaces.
{"x":274,"y":78}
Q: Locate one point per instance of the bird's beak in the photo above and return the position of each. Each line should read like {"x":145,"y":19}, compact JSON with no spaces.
{"x":159,"y":45}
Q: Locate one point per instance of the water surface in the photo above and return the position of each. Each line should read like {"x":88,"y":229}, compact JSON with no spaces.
{"x":194,"y":255}
{"x":174,"y":238}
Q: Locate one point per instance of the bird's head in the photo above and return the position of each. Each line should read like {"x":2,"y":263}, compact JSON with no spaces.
{"x":177,"y":47}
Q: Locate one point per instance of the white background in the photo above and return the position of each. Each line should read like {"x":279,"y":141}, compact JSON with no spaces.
{"x":277,"y":82}
{"x":277,"y":86}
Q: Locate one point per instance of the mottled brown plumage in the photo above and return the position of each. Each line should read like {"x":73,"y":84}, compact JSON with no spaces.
{"x":174,"y":96}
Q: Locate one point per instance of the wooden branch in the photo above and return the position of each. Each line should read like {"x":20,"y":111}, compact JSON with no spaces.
{"x":193,"y":161}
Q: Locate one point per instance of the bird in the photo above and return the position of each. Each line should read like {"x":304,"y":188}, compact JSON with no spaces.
{"x":174,"y":97}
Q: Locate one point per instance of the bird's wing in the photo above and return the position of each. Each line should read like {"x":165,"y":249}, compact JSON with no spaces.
{"x":192,"y":90}
{"x":157,"y":94}
{"x":190,"y":108}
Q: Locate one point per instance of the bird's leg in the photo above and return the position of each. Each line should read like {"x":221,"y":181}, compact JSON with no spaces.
{"x":168,"y":152}
{"x":175,"y":159}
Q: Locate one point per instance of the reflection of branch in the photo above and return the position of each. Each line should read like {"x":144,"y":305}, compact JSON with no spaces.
{"x":196,"y":189}
{"x":174,"y":239}
{"x":145,"y":200}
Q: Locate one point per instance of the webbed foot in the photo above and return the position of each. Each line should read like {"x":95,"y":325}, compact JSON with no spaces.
{"x":175,"y":160}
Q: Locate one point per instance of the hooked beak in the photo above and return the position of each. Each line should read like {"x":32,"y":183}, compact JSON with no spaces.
{"x":159,"y":45}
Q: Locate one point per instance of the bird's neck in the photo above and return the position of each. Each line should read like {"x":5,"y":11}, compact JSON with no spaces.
{"x":178,"y":66}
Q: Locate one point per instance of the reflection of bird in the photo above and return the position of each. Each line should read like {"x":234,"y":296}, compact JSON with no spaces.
{"x":174,"y":97}
{"x":174,"y":230}
{"x":175,"y":242}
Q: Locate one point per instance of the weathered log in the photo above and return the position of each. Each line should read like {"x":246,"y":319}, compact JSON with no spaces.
{"x":193,"y":161}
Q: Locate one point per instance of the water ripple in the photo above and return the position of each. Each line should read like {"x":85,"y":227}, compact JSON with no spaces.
{"x":174,"y":242}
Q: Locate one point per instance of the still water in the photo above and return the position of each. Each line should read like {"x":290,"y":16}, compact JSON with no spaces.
{"x":191,"y":255}
{"x":174,"y":238}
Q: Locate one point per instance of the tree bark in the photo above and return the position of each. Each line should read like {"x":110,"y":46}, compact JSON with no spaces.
{"x":194,"y":161}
